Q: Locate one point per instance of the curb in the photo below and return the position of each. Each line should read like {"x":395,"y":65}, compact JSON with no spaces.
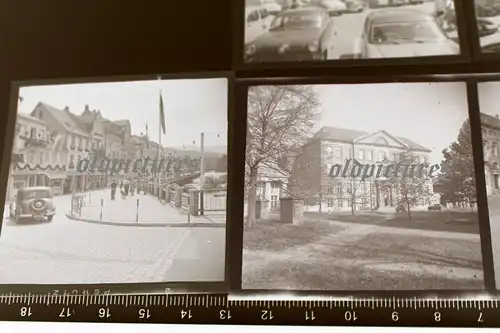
{"x":147,"y":224}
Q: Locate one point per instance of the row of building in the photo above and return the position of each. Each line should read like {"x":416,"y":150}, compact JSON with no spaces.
{"x":49,"y":142}
{"x":306,"y":172}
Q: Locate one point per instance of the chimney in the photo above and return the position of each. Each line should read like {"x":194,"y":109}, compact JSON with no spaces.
{"x":66,"y":109}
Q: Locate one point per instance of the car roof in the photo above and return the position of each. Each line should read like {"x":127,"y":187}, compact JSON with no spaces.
{"x":34,"y":188}
{"x":303,"y":10}
{"x":399,"y":15}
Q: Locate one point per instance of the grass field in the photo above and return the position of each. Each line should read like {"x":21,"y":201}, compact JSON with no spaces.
{"x":451,"y":221}
{"x":319,"y":256}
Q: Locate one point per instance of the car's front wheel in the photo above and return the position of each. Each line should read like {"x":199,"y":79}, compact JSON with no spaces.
{"x":50,"y":218}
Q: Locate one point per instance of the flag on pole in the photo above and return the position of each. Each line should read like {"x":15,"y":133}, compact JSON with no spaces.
{"x":162,"y":115}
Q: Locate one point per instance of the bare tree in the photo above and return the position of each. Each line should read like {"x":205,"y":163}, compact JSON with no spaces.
{"x":410,"y":186}
{"x":280,"y":119}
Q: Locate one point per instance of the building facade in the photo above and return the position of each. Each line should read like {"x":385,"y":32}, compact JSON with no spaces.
{"x":330,"y":146}
{"x":490,"y":128}
{"x":42,"y":158}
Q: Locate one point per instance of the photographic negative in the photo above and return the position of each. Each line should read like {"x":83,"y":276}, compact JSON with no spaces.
{"x":490,"y":128}
{"x":319,"y":30}
{"x":117,"y":182}
{"x":360,"y":187}
{"x":488,"y":24}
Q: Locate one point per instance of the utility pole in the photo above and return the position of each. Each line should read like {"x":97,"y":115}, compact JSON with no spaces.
{"x":202,"y":173}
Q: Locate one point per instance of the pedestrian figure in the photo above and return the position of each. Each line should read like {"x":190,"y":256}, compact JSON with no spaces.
{"x":132,"y":187}
{"x":113,"y":190}
{"x":126,"y":186}
{"x":121,"y":184}
{"x":123,"y":193}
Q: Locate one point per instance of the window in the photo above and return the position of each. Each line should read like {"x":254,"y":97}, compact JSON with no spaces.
{"x":394,"y":156}
{"x":361,"y":154}
{"x":274,"y":201}
{"x":340,"y":203}
{"x":349,"y":202}
{"x":381,"y":156}
{"x":33,"y":133}
{"x":330,"y":203}
{"x":330,"y":190}
{"x":31,"y":158}
{"x":71,"y":159}
{"x":338,"y":153}
{"x":275,"y":184}
{"x":369,"y":155}
{"x":41,"y":134}
{"x":349,"y":155}
{"x":41,"y":158}
{"x":253,"y":17}
{"x":339,"y":189}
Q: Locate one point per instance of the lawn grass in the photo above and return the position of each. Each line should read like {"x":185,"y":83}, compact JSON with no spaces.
{"x":276,"y":236}
{"x":344,"y":266}
{"x":450,"y":221}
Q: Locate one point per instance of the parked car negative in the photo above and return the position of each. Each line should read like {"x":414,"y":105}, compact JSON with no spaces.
{"x":401,"y":33}
{"x":33,"y":203}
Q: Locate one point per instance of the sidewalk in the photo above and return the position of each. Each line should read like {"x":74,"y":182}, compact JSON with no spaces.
{"x":150,"y":210}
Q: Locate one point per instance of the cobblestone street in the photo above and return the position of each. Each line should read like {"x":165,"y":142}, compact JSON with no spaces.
{"x":65,"y":251}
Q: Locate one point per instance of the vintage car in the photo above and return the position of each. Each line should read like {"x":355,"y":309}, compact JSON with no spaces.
{"x":33,"y":203}
{"x":385,"y":3}
{"x":355,"y":6}
{"x":333,"y":7}
{"x":295,"y":35}
{"x":257,"y":22}
{"x":400,"y":33}
{"x":435,"y":207}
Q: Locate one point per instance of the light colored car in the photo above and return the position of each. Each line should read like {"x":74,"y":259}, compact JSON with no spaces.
{"x":272,"y":7}
{"x":385,"y":3}
{"x":401,"y":33}
{"x":257,"y":22}
{"x":33,"y":203}
{"x":333,"y":7}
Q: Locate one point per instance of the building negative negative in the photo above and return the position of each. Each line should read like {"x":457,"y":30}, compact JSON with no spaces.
{"x":311,"y":180}
{"x":490,"y":127}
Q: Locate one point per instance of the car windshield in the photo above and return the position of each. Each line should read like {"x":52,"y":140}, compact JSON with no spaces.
{"x":37,"y":194}
{"x":296,"y":22}
{"x":407,"y":32}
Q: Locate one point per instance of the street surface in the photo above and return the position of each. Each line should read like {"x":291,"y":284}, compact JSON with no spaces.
{"x":65,"y":251}
{"x":494,"y":208}
{"x":350,"y":26}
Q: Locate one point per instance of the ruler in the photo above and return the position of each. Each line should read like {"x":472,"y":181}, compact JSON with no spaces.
{"x":217,"y":309}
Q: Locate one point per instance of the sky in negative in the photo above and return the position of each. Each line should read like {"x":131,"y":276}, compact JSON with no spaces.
{"x":191,"y":106}
{"x":430,"y":114}
{"x":489,"y":97}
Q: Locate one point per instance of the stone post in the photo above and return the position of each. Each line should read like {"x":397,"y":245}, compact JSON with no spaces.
{"x":194,"y":202}
{"x":292,"y":210}
{"x":178,"y":196}
{"x":261,"y":208}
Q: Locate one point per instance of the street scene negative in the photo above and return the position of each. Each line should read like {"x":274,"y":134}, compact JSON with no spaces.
{"x":490,"y":128}
{"x":318,"y":30}
{"x":488,"y":24}
{"x":307,"y":228}
{"x":108,"y":180}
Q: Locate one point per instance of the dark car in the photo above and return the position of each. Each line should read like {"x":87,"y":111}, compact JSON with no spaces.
{"x":33,"y":203}
{"x":295,"y":35}
{"x":401,"y":33}
{"x":401,"y":208}
{"x":435,"y":207}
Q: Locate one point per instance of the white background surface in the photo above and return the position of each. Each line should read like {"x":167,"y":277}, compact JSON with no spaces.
{"x":22,"y":327}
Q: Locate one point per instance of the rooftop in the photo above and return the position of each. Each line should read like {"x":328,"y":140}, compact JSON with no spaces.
{"x":348,"y":135}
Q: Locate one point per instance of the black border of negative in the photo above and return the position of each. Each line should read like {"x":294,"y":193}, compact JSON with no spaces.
{"x":119,"y":288}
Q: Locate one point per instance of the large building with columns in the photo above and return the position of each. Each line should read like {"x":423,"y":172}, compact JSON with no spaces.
{"x":490,"y":128}
{"x":329,"y":146}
